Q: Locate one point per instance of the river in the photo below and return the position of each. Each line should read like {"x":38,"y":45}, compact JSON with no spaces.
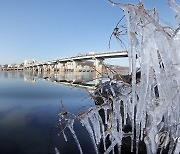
{"x":29,"y":108}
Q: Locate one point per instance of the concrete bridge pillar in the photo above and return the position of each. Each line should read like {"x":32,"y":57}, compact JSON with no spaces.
{"x":98,"y":70}
{"x":48,"y":68}
{"x":75,"y":66}
{"x":98,"y":65}
{"x":45,"y":68}
{"x":34,"y":68}
{"x":30,"y":68}
{"x":51,"y":68}
{"x":58,"y":66}
{"x":42,"y":69}
{"x":61,"y":67}
{"x":39,"y":68}
{"x":55,"y":67}
{"x":25,"y":69}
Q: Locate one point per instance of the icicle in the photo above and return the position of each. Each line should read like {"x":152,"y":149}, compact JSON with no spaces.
{"x":125,"y":111}
{"x":111,"y":147}
{"x":75,"y":137}
{"x":105,"y":115}
{"x":64,"y":135}
{"x":56,"y":151}
{"x":112,"y":90}
{"x":148,"y":145}
{"x":151,"y":103}
{"x":86,"y":123}
{"x":96,"y":127}
{"x":103,"y":132}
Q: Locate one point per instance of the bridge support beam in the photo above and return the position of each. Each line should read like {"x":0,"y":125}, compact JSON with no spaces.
{"x":51,"y":68}
{"x":30,"y":68}
{"x":40,"y":69}
{"x":25,"y":68}
{"x":34,"y":68}
{"x":75,"y":66}
{"x":98,"y":70}
{"x":55,"y":67}
{"x":61,"y":67}
{"x":98,"y":65}
{"x":45,"y":68}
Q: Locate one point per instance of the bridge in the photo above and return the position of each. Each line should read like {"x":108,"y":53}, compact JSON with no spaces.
{"x":72,"y":63}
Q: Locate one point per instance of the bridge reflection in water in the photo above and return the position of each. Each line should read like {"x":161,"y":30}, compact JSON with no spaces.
{"x":29,"y":110}
{"x":83,"y":80}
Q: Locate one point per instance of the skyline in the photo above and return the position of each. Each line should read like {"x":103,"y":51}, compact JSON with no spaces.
{"x":46,"y":30}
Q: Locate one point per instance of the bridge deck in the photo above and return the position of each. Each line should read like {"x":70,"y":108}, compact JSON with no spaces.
{"x":104,"y":55}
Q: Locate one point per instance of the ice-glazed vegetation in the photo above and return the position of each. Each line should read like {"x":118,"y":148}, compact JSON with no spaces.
{"x":150,"y":102}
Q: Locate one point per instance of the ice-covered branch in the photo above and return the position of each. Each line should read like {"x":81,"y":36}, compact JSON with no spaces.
{"x":149,"y":102}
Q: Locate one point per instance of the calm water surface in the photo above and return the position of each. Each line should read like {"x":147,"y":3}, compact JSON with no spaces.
{"x":29,"y":112}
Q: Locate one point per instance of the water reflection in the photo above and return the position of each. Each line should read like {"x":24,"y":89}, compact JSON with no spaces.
{"x":29,"y":111}
{"x":84,"y":80}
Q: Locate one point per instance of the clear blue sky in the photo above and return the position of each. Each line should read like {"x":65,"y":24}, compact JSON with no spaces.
{"x":51,"y":29}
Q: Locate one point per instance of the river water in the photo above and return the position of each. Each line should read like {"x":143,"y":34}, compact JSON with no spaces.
{"x":29,"y":108}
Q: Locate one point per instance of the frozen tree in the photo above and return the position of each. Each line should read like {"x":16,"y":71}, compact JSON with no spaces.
{"x":149,"y":102}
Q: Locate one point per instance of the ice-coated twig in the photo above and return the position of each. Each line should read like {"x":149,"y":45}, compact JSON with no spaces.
{"x":148,"y":101}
